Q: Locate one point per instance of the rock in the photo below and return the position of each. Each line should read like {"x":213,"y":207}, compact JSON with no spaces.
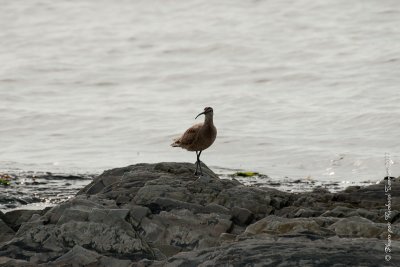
{"x":180,"y":230}
{"x":286,"y":212}
{"x":76,"y":205}
{"x":73,"y":214}
{"x":361,"y":227}
{"x":370,"y":197}
{"x":227,"y":238}
{"x":137,"y":213}
{"x":257,"y":201}
{"x":166,"y":204}
{"x":79,"y":256}
{"x":16,"y":217}
{"x":288,"y":252}
{"x":6,"y":233}
{"x":215,"y":208}
{"x":10,"y":262}
{"x":275,"y":226}
{"x":306,"y":213}
{"x":242,"y":216}
{"x":137,"y":175}
{"x":78,"y":222}
{"x":162,"y":215}
{"x":123,"y":200}
{"x":394,"y":217}
{"x":94,"y":188}
{"x":2,"y":216}
{"x":325,"y":221}
{"x":341,"y":211}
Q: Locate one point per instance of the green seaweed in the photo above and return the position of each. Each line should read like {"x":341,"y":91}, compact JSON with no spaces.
{"x":4,"y":182}
{"x":5,"y":179}
{"x":247,"y":174}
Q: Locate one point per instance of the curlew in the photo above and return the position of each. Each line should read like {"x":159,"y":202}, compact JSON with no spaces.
{"x":198,"y":137}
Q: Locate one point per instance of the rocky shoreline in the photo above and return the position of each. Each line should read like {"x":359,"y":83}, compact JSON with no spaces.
{"x":38,"y":190}
{"x":162,"y":215}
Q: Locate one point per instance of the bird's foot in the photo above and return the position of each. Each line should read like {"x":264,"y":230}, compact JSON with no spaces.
{"x":198,"y":170}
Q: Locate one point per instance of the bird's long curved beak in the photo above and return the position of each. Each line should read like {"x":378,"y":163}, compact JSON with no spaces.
{"x":200,"y":114}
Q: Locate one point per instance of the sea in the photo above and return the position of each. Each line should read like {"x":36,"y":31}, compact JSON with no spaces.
{"x":300,"y":89}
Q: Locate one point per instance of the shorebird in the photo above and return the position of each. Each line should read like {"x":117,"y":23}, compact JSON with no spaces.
{"x":198,"y":137}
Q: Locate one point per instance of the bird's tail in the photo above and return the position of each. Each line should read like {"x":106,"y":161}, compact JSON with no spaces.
{"x":176,"y":143}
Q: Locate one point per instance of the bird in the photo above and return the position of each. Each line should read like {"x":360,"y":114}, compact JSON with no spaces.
{"x":198,"y":137}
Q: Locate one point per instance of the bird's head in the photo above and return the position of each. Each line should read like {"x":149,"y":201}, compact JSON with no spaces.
{"x":208,"y":111}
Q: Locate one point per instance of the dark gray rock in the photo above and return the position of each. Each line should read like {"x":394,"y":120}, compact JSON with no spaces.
{"x":278,"y":226}
{"x":15,"y":218}
{"x":79,"y":256}
{"x":256,"y":200}
{"x":242,"y":216}
{"x":306,"y":213}
{"x":361,"y":227}
{"x":215,"y":208}
{"x":77,"y":222}
{"x":11,"y":262}
{"x":2,"y":216}
{"x":341,"y":212}
{"x":123,"y":199}
{"x":182,"y":230}
{"x":163,"y":215}
{"x":6,"y":233}
{"x":137,"y":213}
{"x":289,"y":252}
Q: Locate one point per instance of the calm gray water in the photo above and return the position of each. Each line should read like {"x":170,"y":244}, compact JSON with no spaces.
{"x":300,"y":88}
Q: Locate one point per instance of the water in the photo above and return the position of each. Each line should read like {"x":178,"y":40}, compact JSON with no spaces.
{"x":300,"y":89}
{"x":35,"y":190}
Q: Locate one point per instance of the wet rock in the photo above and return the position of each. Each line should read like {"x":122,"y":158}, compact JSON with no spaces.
{"x":274,"y":226}
{"x":10,"y":262}
{"x":242,"y":216}
{"x":370,"y":197}
{"x":394,"y":217}
{"x":181,"y":230}
{"x":137,"y":213}
{"x":77,"y":222}
{"x":77,"y":205}
{"x":286,"y":212}
{"x":6,"y":233}
{"x":361,"y":227}
{"x":288,"y":252}
{"x":306,"y":213}
{"x":2,"y":216}
{"x":227,"y":238}
{"x":79,"y":256}
{"x":255,"y":200}
{"x":16,"y":217}
{"x":325,"y":221}
{"x":215,"y":208}
{"x":163,"y":215}
{"x":123,"y":199}
{"x":341,"y":211}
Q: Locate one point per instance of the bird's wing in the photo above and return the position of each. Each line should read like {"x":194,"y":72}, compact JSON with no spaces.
{"x":190,"y":135}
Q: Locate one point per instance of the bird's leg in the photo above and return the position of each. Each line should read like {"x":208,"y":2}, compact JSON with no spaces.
{"x":198,"y":159}
{"x":197,"y":163}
